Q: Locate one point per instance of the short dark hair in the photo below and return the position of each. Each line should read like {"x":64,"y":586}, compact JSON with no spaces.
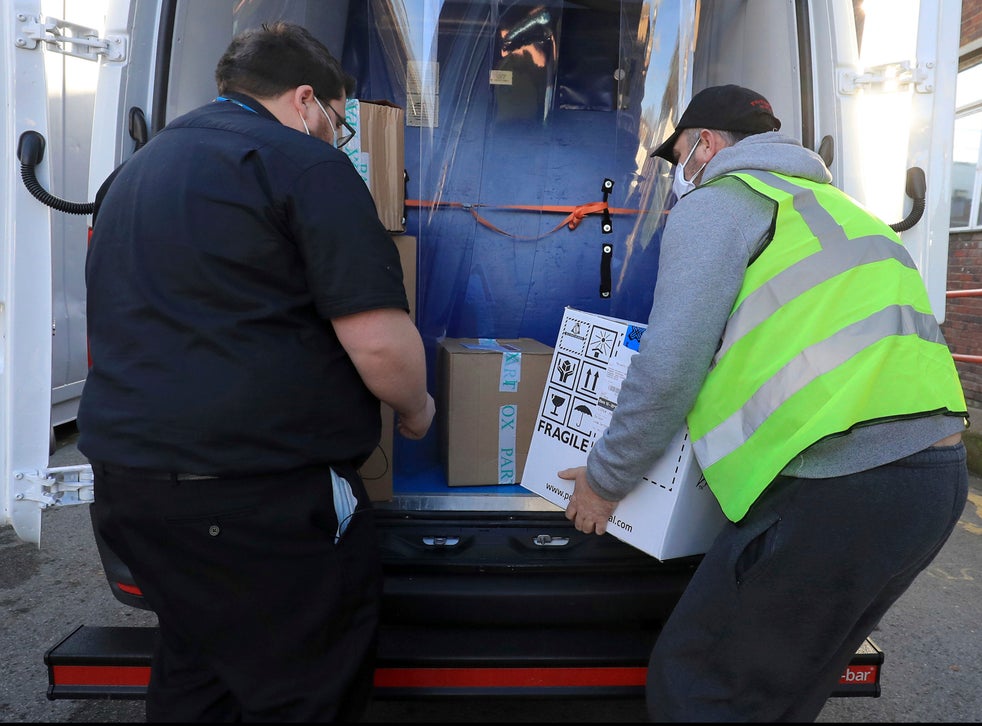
{"x":267,"y":61}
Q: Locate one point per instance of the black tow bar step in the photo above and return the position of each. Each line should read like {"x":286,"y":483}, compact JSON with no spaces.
{"x":114,"y":663}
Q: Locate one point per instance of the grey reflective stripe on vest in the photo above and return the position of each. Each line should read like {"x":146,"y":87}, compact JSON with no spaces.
{"x":837,"y":255}
{"x":814,"y":362}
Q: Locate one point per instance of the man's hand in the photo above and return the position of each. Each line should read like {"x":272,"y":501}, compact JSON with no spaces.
{"x":417,"y":424}
{"x":587,"y":510}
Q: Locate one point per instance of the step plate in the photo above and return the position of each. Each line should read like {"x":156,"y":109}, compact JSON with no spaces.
{"x":114,"y":663}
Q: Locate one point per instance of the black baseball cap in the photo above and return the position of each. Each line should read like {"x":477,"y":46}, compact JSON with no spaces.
{"x":726,"y":108}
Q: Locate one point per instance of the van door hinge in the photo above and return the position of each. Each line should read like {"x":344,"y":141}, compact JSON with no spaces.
{"x":890,"y":77}
{"x":55,"y":487}
{"x":60,"y":36}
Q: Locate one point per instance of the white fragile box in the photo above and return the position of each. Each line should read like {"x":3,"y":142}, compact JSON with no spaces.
{"x":672,"y":512}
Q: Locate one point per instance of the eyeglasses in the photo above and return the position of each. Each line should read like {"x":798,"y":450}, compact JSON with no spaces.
{"x":339,"y":138}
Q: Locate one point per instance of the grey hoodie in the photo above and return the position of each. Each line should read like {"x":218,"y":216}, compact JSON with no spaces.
{"x":709,"y":239}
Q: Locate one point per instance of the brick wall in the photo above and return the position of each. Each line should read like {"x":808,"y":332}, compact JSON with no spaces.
{"x":971,"y":21}
{"x":963,"y":315}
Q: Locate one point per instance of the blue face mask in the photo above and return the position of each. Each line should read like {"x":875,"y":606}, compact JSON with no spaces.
{"x":681,"y":185}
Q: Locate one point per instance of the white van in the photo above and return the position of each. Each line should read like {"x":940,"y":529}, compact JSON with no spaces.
{"x":517,"y":114}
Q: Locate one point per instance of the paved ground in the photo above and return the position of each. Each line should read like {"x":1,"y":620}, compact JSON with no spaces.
{"x":931,"y":638}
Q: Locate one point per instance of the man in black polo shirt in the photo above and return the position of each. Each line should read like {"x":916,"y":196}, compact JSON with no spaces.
{"x":246,"y":313}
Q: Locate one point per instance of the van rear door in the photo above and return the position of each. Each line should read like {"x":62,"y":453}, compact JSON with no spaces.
{"x":169,"y":70}
{"x":51,"y":63}
{"x":25,"y":278}
{"x":884,"y":107}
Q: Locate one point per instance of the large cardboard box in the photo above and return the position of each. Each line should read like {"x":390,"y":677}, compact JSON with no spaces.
{"x":378,"y":151}
{"x":672,"y":513}
{"x":377,"y":471}
{"x":489,"y":396}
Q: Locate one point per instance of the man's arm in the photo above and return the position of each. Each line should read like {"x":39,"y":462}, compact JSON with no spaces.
{"x":386,"y":349}
{"x":707,"y":242}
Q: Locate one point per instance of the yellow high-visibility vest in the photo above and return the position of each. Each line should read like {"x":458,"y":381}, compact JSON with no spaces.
{"x":832,"y":329}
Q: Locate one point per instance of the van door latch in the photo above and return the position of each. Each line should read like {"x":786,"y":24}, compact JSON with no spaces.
{"x":547,"y":540}
{"x":66,"y":38}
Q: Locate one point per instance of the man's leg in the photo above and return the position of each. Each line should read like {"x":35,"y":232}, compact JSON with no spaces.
{"x":252,"y":593}
{"x":782,"y":600}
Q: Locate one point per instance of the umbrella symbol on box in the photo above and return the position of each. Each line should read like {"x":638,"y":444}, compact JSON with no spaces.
{"x":582,"y":410}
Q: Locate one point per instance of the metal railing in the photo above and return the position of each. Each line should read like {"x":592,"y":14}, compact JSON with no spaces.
{"x":965,"y":293}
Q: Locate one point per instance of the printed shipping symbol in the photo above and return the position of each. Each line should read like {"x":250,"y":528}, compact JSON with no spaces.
{"x":604,"y":344}
{"x":565,"y":370}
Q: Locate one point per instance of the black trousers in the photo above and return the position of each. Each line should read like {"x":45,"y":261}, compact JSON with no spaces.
{"x":782,"y":600}
{"x":263,"y":617}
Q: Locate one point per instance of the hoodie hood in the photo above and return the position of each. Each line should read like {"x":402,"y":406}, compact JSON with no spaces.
{"x":769,"y":151}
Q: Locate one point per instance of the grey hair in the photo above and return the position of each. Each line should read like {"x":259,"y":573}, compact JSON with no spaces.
{"x":729,"y":137}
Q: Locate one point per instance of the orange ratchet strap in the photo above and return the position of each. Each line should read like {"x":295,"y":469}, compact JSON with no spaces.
{"x":574,"y":215}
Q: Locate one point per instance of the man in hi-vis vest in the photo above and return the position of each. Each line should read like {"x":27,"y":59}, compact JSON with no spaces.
{"x":791,"y":331}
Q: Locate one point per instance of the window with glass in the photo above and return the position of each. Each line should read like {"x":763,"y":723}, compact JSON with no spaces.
{"x":966,"y":171}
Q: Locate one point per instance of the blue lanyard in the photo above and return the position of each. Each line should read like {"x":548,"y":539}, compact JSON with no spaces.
{"x":237,"y":103}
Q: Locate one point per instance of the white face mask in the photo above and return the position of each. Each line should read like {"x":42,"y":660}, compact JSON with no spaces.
{"x":304,"y":122}
{"x":337,"y":134}
{"x":328,"y":118}
{"x":681,"y":185}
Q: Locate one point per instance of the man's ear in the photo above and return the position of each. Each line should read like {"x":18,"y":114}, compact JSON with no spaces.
{"x":713,"y":143}
{"x":302,"y":95}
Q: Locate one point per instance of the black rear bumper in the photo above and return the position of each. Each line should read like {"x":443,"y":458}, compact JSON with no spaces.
{"x":114,"y":663}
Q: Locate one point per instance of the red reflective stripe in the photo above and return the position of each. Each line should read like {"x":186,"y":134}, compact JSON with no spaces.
{"x":397,"y":677}
{"x":66,"y":675}
{"x":131,"y":589}
{"x":507,"y":677}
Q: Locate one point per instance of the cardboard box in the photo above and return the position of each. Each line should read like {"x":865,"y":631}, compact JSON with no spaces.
{"x":378,"y":151}
{"x":377,"y":471}
{"x":406,"y":245}
{"x":672,"y":512}
{"x":489,"y":397}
